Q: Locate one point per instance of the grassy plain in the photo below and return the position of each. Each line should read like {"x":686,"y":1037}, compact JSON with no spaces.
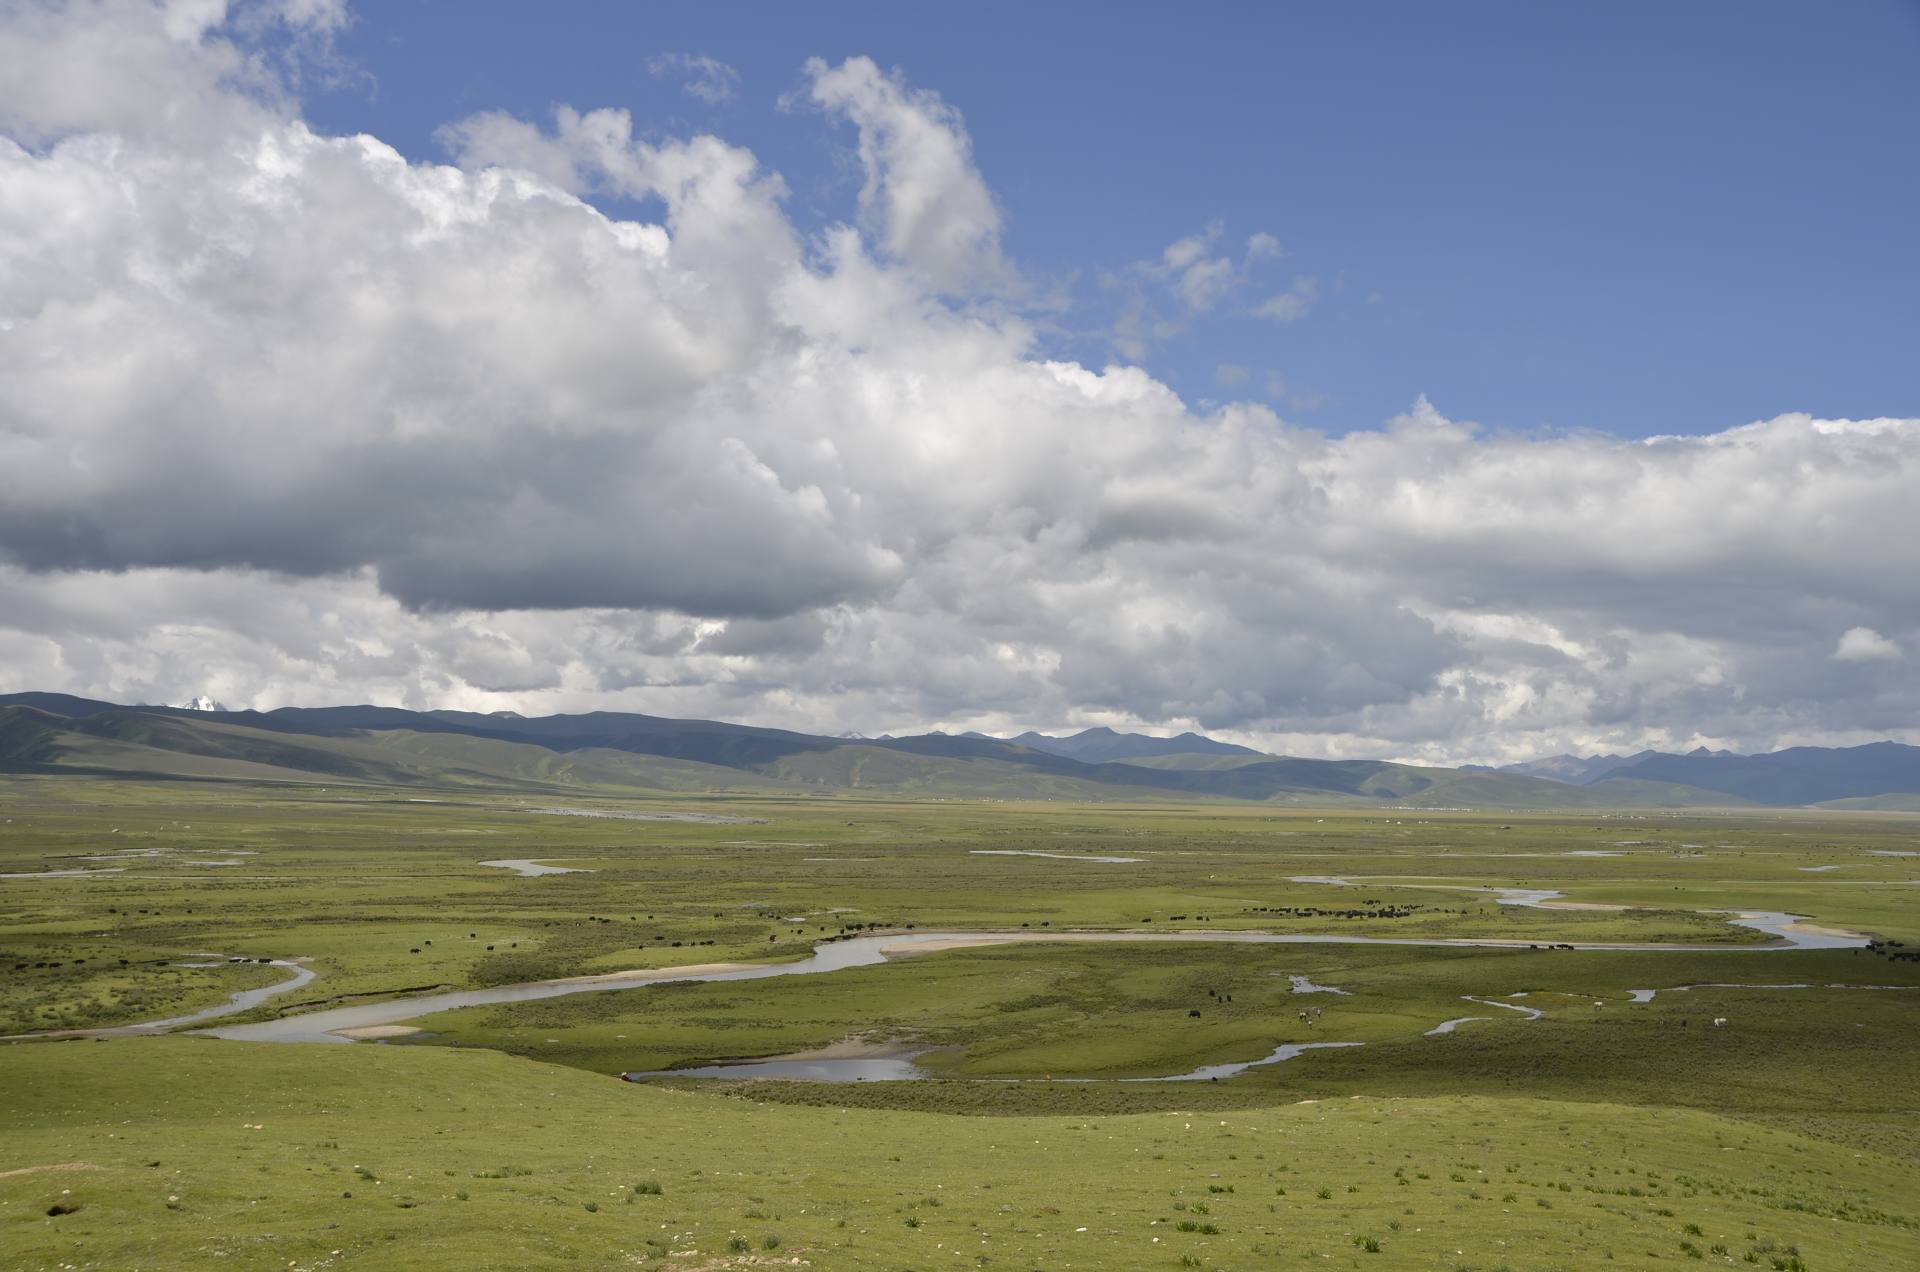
{"x":257,"y":1155}
{"x":499,"y":1136}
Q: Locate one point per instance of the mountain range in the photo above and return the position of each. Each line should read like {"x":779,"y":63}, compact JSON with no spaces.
{"x":1098,"y":745}
{"x":1878,"y":774}
{"x":624,"y":753}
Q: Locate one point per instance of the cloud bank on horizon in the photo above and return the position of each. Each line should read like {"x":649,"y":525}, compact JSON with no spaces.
{"x":295,"y":418}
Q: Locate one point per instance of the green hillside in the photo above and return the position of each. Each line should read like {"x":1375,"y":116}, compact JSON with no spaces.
{"x":32,"y":741}
{"x":1897,"y":803}
{"x":618,"y":754}
{"x":165,"y":1154}
{"x":137,"y":744}
{"x":874,"y":769}
{"x":453,"y":758}
{"x":1193,"y":763}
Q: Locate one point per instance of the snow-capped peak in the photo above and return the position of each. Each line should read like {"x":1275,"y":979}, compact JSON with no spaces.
{"x":202,"y":703}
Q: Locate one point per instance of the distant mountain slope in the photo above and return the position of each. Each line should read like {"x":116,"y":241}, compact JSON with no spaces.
{"x":1803,"y":775}
{"x":1876,"y":804}
{"x":705,"y":741}
{"x":1796,"y":776}
{"x":112,"y":744}
{"x":136,"y":742}
{"x":1192,"y":763}
{"x":940,"y":764}
{"x":455,"y":758}
{"x":619,"y":752}
{"x":59,"y":704}
{"x":1099,"y":745}
{"x":880,"y":769}
{"x":1579,"y":770}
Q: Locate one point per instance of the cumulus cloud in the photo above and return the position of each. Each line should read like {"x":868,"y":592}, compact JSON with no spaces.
{"x":1863,"y":644}
{"x":290,"y":417}
{"x":924,"y":200}
{"x":707,"y":78}
{"x":1194,"y":274}
{"x":1190,"y":277}
{"x":1293,"y":304}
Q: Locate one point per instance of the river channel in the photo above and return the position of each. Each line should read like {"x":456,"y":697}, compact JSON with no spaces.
{"x":1790,"y":932}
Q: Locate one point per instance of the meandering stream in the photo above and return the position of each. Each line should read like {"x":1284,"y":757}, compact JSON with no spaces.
{"x":237,"y":1002}
{"x":367,"y":1020}
{"x":865,"y":951}
{"x":1057,"y":856}
{"x":903,"y":1069}
{"x":528,"y":868}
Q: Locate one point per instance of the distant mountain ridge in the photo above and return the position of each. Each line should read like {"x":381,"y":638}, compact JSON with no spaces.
{"x":1797,"y":775}
{"x":1794,"y":776}
{"x":622,"y":753}
{"x":1100,"y":744}
{"x":1576,"y":769}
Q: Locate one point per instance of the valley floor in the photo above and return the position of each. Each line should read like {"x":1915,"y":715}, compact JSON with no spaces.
{"x":1613,"y":1129}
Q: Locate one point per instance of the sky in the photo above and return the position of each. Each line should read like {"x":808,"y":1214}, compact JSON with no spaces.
{"x":1406,"y":381}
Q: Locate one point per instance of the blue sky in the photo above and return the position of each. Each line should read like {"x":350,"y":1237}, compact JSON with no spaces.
{"x":887,"y":444}
{"x":1639,"y":218}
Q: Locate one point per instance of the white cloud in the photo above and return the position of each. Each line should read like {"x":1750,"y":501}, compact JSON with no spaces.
{"x":707,"y":78}
{"x":122,"y":66}
{"x":1863,"y":644}
{"x":1201,"y":284}
{"x":291,"y":417}
{"x":189,"y":20}
{"x":923,"y":198}
{"x":1190,"y":277}
{"x":1292,"y":304}
{"x":1264,"y":247}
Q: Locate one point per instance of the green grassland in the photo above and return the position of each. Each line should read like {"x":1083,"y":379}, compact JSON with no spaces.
{"x":1794,"y":1125}
{"x":394,"y":1158}
{"x":385,"y":893}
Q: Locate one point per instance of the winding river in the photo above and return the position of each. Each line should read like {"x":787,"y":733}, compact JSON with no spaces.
{"x":1790,"y":932}
{"x":903,"y":1069}
{"x":343,"y":1024}
{"x":528,"y":868}
{"x":242,"y":1000}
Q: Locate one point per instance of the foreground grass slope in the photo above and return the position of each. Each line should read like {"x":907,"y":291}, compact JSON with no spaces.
{"x":177,"y":1153}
